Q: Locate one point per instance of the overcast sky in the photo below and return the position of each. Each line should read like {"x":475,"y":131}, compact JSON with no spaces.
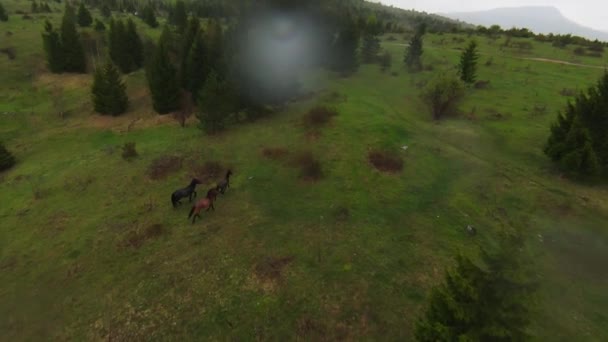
{"x":591,"y":13}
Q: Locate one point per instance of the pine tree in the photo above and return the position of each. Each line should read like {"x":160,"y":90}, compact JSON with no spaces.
{"x":197,"y":68}
{"x":108,"y":91}
{"x":7,"y":160}
{"x":579,"y":156}
{"x":345,"y":48}
{"x":73,"y":52}
{"x":215,"y":103}
{"x":482,"y":303}
{"x":371,"y":48}
{"x":386,"y":61}
{"x":136,"y":48}
{"x":105,"y":11}
{"x":149,"y":17}
{"x":3,"y":14}
{"x":34,"y":7}
{"x":187,"y":41}
{"x":52,"y":48}
{"x":180,"y":16}
{"x":215,"y":48}
{"x":414,"y":51}
{"x":468,"y":63}
{"x":99,"y":26}
{"x":84,"y":16}
{"x":162,"y":78}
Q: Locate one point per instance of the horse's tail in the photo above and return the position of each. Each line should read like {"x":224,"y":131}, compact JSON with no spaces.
{"x":173,"y":200}
{"x":191,"y":211}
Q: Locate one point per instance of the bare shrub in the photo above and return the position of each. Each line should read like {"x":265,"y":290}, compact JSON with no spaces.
{"x":567,"y":92}
{"x":385,"y":162}
{"x":443,"y":94}
{"x":128,"y":151}
{"x":161,"y":167}
{"x":319,"y":116}
{"x":276,"y":153}
{"x":310,"y":167}
{"x":482,"y":84}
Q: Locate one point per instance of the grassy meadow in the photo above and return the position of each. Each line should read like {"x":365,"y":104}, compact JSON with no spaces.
{"x":90,"y":247}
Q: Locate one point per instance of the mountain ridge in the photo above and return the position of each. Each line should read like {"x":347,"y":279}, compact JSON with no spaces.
{"x":539,"y":19}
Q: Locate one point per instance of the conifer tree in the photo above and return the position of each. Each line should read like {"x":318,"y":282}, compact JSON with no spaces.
{"x":34,"y":7}
{"x":487,"y":302}
{"x":386,"y":61}
{"x":84,"y":16}
{"x":197,"y":67}
{"x":99,"y":26}
{"x":3,"y":14}
{"x":105,"y":11}
{"x":468,"y":63}
{"x":215,"y":103}
{"x":180,"y":16}
{"x":135,"y":45}
{"x":162,"y":77}
{"x":345,"y":48}
{"x":108,"y":91}
{"x":73,"y":52}
{"x":149,"y":17}
{"x":118,"y":48}
{"x":52,"y":48}
{"x":215,"y":48}
{"x":187,"y":42}
{"x":7,"y":160}
{"x":370,"y":48}
{"x":414,"y":51}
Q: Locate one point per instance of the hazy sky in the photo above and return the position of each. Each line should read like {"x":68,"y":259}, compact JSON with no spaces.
{"x":591,"y":13}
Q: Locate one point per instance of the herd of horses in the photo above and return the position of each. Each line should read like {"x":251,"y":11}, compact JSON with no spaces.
{"x":204,"y":203}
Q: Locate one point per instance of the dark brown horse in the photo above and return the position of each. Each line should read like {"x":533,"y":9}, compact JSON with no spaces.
{"x":205,"y":203}
{"x":225,"y":183}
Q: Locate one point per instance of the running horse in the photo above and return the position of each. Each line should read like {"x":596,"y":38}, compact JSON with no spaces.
{"x":205,"y":203}
{"x":188,"y":191}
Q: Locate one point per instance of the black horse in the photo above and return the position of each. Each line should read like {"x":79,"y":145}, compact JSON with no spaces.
{"x":188,"y":191}
{"x":224,"y":184}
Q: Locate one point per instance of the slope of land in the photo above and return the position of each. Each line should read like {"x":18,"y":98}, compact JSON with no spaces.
{"x":90,"y":247}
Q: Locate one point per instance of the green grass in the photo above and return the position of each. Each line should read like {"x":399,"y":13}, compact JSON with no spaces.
{"x":71,"y":203}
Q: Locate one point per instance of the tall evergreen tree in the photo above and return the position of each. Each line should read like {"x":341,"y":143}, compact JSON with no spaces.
{"x":108,"y":91}
{"x":135,"y":45}
{"x":3,"y":14}
{"x":7,"y":160}
{"x":52,"y":48}
{"x":162,"y":77}
{"x":84,"y":16}
{"x":149,"y":17}
{"x":197,"y":67}
{"x":414,"y":51}
{"x":578,"y":143}
{"x":180,"y":16}
{"x":187,"y":42}
{"x":99,"y":26}
{"x":215,"y":48}
{"x":345,"y":48}
{"x":468,"y":63}
{"x":371,"y":48}
{"x":73,"y":52}
{"x":105,"y":11}
{"x":487,"y":302}
{"x":215,"y":103}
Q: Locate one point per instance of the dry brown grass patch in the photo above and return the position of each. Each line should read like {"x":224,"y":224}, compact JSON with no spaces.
{"x":276,"y":153}
{"x":135,"y":239}
{"x":385,"y":162}
{"x":161,"y":167}
{"x":271,"y":269}
{"x":319,"y":116}
{"x":310,"y":167}
{"x":210,"y":171}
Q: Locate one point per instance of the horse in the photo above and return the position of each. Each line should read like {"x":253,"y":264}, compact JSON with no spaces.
{"x":205,"y":203}
{"x":225,"y":183}
{"x":188,"y":191}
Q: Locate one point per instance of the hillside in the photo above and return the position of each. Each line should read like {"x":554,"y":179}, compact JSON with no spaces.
{"x":538,"y":19}
{"x":316,"y":238}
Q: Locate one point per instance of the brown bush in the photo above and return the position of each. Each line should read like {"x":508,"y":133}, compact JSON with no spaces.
{"x":482,"y":84}
{"x":567,"y":92}
{"x":310,"y":168}
{"x":161,"y":167}
{"x":209,"y":172}
{"x":385,"y":162}
{"x":276,"y":153}
{"x":128,"y":151}
{"x":319,"y":116}
{"x":135,"y":239}
{"x":9,"y":52}
{"x":272,"y":268}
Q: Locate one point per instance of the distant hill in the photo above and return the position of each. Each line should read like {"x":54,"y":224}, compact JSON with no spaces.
{"x":537,"y":19}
